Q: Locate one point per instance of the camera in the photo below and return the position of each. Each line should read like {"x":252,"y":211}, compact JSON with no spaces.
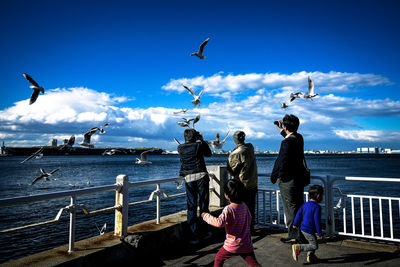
{"x":276,"y":123}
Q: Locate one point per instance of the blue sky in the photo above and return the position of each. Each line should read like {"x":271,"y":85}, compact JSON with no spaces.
{"x":124,"y":62}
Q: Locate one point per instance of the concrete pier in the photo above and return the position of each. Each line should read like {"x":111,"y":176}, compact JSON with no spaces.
{"x":151,"y":244}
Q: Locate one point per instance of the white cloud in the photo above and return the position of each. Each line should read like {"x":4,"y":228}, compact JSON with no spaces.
{"x":60,"y":113}
{"x":369,"y":135}
{"x":219,"y":84}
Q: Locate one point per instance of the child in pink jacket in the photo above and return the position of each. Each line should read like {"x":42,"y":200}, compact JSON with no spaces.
{"x":236,"y":218}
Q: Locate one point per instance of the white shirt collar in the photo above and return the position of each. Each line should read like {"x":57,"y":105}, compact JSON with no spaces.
{"x":288,"y":135}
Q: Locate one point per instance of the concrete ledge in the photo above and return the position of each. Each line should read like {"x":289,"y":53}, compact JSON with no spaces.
{"x":152,"y":241}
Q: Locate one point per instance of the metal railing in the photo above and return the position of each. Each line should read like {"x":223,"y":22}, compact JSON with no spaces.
{"x":121,"y":207}
{"x":270,"y":212}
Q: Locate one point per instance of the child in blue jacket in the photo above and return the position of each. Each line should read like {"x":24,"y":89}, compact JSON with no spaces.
{"x":308,"y":218}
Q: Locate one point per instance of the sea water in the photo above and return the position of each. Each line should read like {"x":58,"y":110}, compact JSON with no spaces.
{"x":77,"y":172}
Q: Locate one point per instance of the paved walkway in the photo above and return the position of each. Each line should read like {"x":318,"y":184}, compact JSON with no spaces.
{"x":271,"y":252}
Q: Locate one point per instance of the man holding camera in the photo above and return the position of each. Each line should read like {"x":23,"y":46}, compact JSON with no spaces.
{"x":193,"y":168}
{"x":288,"y":170}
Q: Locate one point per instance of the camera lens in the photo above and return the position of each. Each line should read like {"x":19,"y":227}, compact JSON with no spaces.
{"x":276,"y":123}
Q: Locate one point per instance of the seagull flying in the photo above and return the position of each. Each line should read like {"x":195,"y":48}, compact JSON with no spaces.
{"x":196,"y":101}
{"x":195,"y":120}
{"x":217,"y":143}
{"x":143,"y":157}
{"x":35,"y":87}
{"x":311,"y":92}
{"x":112,"y":151}
{"x":199,"y":53}
{"x":69,"y":144}
{"x":181,"y":111}
{"x":293,"y":96}
{"x":283,"y":104}
{"x":44,"y":175}
{"x":89,"y":133}
{"x":35,"y":154}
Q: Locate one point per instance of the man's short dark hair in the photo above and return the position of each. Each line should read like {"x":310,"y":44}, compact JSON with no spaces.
{"x":239,"y":137}
{"x":234,"y":189}
{"x":190,"y":135}
{"x":315,"y":190}
{"x":291,"y":122}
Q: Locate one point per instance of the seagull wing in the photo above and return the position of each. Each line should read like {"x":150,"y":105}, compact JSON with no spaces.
{"x":37,"y":179}
{"x":42,"y":171}
{"x":71,"y":140}
{"x":28,"y":158}
{"x":106,"y":124}
{"x":223,"y":141}
{"x":34,"y":96}
{"x":293,"y":98}
{"x":201,"y":92}
{"x":143,"y":155}
{"x":201,"y":48}
{"x":86,"y":137}
{"x":310,"y":86}
{"x":54,"y":171}
{"x":31,"y":80}
{"x":190,"y":90}
{"x":195,"y":120}
{"x":176,"y":141}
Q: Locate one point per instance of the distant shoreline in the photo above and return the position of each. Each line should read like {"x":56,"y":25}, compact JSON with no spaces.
{"x":75,"y":151}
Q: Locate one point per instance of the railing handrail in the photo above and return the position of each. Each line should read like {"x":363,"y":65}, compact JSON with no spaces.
{"x":79,"y":192}
{"x":54,"y":195}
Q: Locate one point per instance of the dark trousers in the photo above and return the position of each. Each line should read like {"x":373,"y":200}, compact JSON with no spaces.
{"x":198,"y":195}
{"x":292,"y":199}
{"x":249,"y":198}
{"x":223,"y":255}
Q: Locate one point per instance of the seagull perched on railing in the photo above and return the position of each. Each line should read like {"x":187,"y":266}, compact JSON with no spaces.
{"x":311,"y":94}
{"x":143,"y":158}
{"x":199,"y":53}
{"x":44,"y":175}
{"x":37,"y":154}
{"x":103,"y":229}
{"x":196,"y":101}
{"x":36,"y":88}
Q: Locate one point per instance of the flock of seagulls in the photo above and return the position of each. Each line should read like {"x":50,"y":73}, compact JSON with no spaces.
{"x":309,"y":95}
{"x":217,"y":143}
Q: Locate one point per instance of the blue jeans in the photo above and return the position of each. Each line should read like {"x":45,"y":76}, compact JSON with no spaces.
{"x":198,"y":195}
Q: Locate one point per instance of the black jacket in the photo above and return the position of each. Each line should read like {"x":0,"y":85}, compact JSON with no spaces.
{"x":192,"y":157}
{"x":289,"y":164}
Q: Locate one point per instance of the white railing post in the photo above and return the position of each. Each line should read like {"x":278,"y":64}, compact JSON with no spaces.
{"x":218,"y":178}
{"x":158,"y":200}
{"x":329,"y":214}
{"x":72,"y":216}
{"x":122,"y":201}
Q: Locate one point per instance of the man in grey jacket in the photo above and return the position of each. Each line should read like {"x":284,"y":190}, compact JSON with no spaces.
{"x":242,"y":165}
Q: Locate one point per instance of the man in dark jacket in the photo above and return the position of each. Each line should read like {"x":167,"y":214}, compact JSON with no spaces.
{"x":193,"y":168}
{"x":288,"y":172}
